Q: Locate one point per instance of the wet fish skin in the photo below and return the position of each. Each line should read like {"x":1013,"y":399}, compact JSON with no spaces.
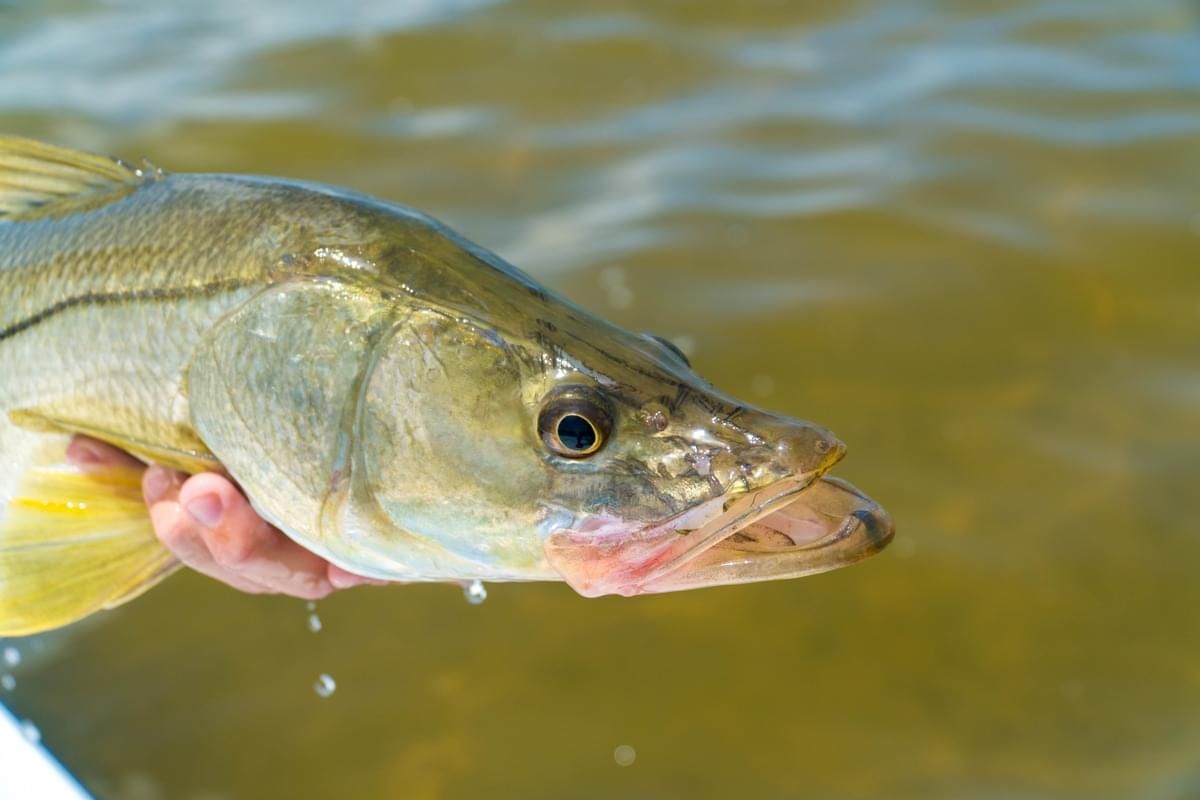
{"x":373,"y":380}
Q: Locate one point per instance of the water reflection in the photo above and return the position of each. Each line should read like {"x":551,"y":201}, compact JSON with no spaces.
{"x":964,"y":237}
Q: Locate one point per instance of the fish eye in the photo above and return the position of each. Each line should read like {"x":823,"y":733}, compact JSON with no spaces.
{"x":577,"y":433}
{"x":574,"y":423}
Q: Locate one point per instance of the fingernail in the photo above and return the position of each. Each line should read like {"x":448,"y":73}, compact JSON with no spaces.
{"x":158,"y":481}
{"x":206,"y":509}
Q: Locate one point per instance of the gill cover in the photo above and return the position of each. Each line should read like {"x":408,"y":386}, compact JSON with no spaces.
{"x":449,"y":453}
{"x":371,"y":434}
{"x":273,"y":389}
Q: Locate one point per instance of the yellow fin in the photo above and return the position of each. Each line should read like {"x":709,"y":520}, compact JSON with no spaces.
{"x":34,"y":175}
{"x":73,"y":543}
{"x":183,"y":455}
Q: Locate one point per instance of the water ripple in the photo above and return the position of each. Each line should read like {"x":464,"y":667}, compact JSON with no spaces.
{"x":132,"y":60}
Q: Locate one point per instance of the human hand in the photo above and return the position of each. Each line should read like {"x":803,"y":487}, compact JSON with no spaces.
{"x":209,"y":525}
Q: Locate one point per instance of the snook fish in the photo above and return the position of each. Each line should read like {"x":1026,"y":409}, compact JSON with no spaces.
{"x":393,"y":397}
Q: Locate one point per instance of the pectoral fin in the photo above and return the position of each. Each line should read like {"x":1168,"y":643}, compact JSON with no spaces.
{"x":73,"y":543}
{"x":185,"y":455}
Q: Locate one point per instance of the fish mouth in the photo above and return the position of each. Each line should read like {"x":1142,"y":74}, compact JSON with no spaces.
{"x":791,"y":528}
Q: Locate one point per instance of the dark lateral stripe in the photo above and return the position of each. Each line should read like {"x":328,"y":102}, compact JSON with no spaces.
{"x":116,"y":298}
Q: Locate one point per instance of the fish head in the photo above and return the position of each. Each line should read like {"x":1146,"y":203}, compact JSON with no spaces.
{"x":555,"y":445}
{"x":681,"y":486}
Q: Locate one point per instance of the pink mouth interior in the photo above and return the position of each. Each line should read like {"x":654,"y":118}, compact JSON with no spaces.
{"x":771,"y":527}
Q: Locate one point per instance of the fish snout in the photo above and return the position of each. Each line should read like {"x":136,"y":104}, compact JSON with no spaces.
{"x":807,"y":449}
{"x":790,"y":448}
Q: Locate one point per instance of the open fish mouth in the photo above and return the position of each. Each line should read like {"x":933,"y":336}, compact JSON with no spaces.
{"x":791,"y":528}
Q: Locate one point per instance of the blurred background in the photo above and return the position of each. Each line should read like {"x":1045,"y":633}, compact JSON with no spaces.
{"x":964,"y":236}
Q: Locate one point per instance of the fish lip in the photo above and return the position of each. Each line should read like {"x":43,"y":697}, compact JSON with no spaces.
{"x":737,"y":513}
{"x":610,"y":559}
{"x":857,"y":528}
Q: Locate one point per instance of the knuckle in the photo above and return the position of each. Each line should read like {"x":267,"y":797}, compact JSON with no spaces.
{"x":232,"y":550}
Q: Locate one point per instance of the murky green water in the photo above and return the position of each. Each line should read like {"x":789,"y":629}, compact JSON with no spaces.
{"x":965,"y":236}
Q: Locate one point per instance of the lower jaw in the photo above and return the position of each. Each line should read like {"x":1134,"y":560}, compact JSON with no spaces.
{"x":828,"y":525}
{"x":815,"y":525}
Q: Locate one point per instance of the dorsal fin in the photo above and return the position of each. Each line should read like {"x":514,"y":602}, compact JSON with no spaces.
{"x":34,"y":175}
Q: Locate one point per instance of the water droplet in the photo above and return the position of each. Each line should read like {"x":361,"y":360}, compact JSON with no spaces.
{"x":30,"y":732}
{"x":475,"y":592}
{"x":325,"y":686}
{"x":314,"y":623}
{"x":7,"y":682}
{"x":12,"y":656}
{"x":624,"y":755}
{"x":311,"y":605}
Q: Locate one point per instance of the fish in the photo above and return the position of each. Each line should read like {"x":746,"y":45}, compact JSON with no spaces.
{"x":388,"y":394}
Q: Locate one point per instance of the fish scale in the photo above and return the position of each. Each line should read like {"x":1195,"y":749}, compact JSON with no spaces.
{"x":388,"y":394}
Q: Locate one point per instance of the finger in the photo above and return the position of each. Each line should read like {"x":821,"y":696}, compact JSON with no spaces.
{"x":180,"y":533}
{"x":88,"y":454}
{"x":245,"y":545}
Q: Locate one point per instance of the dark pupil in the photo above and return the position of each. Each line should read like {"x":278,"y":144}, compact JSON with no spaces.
{"x":576,"y":433}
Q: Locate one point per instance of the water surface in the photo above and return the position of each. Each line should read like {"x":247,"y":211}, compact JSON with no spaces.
{"x":964,"y":236}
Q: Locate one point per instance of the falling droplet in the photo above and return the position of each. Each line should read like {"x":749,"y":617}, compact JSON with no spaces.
{"x":325,"y":686}
{"x":311,"y":605}
{"x":30,"y":732}
{"x":12,"y":656}
{"x":7,"y":682}
{"x":624,"y":755}
{"x":314,"y":623}
{"x":475,"y":592}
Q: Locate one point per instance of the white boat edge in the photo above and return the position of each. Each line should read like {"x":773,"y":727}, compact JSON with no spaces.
{"x":28,"y":771}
